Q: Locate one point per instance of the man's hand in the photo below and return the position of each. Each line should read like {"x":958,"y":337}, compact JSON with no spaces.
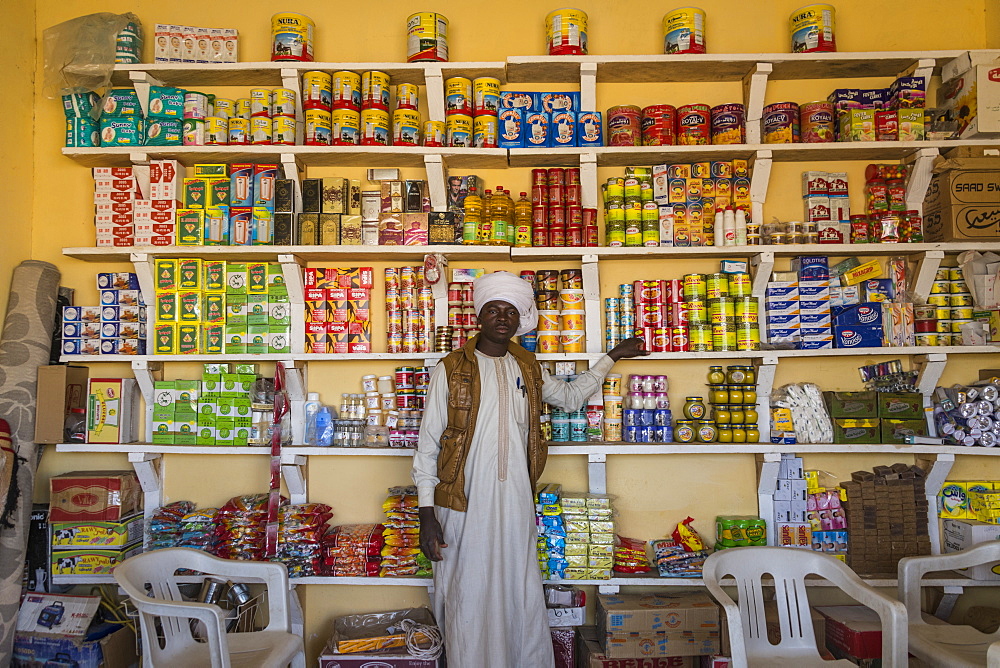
{"x":431,"y":535}
{"x":634,"y":347}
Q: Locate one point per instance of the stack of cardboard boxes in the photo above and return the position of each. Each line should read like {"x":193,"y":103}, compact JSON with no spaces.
{"x":876,"y":417}
{"x":216,"y":410}
{"x":338,"y":309}
{"x":116,"y":327}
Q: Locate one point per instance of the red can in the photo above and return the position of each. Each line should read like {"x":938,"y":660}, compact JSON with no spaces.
{"x":572,"y":194}
{"x":591,"y":235}
{"x":625,"y":126}
{"x":675,"y":315}
{"x":661,"y":340}
{"x":539,"y":216}
{"x":539,"y":237}
{"x":659,"y":125}
{"x":454,"y":293}
{"x":574,"y":236}
{"x":674,"y":291}
{"x":679,"y":339}
{"x":528,"y":275}
{"x":540,"y":177}
{"x":557,"y":194}
{"x":573,"y":176}
{"x":693,"y":125}
{"x":647,"y":335}
{"x":589,"y":217}
{"x":925,"y":326}
{"x":557,"y":216}
{"x":557,"y":176}
{"x":816,"y":122}
{"x":728,"y":124}
{"x":539,"y":195}
{"x":574,"y":216}
{"x":557,"y":236}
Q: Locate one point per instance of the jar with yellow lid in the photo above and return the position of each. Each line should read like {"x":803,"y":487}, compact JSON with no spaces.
{"x":684,"y":432}
{"x":739,"y":434}
{"x":753,"y":434}
{"x":735,"y":375}
{"x":716,"y":375}
{"x":735,"y":394}
{"x":725,"y":434}
{"x":718,"y":394}
{"x":694,"y":408}
{"x":720,"y":414}
{"x":749,"y":395}
{"x":706,"y":431}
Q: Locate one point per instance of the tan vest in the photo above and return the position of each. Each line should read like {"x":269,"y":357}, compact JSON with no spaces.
{"x":464,"y":387}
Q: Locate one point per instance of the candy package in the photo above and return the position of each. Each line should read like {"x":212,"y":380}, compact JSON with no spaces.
{"x":630,"y":556}
{"x":687,"y":536}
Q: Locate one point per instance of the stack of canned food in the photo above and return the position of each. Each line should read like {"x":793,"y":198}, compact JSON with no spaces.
{"x":462,"y":321}
{"x":557,"y":215}
{"x":409,"y":310}
{"x":471,"y":107}
{"x":561,"y":313}
{"x":265,"y":118}
{"x":687,"y":125}
{"x":969,"y":415}
{"x":949,"y":306}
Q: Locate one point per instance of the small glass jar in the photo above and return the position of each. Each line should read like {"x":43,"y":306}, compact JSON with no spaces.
{"x":721,"y":415}
{"x":684,"y":431}
{"x":648,"y":384}
{"x":649,"y":400}
{"x":735,"y":394}
{"x":694,"y":408}
{"x":706,"y":431}
{"x":736,"y":375}
{"x":750,"y":395}
{"x":660,"y":383}
{"x":718,"y":394}
{"x":716,"y":376}
{"x":750,"y":415}
{"x":662,"y":401}
{"x":736,"y":414}
{"x":753,"y":434}
{"x":725,"y":434}
{"x":751,"y":375}
{"x":739,"y":434}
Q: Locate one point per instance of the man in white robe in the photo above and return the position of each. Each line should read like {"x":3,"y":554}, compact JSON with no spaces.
{"x":488,"y":597}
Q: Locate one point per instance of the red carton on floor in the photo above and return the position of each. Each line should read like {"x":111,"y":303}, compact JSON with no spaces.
{"x":590,"y":655}
{"x":854,"y":630}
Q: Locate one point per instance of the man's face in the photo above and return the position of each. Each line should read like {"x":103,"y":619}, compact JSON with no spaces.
{"x":499,"y":321}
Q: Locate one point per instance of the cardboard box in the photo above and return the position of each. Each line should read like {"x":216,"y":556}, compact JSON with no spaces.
{"x":330,"y":660}
{"x":854,"y":630}
{"x":855,"y":405}
{"x":630,"y":624}
{"x":60,"y":388}
{"x":567,"y":616}
{"x":56,"y":614}
{"x":962,"y":200}
{"x":896,"y":431}
{"x":115,"y":650}
{"x":856,"y":431}
{"x":113,"y":410}
{"x":973,"y":99}
{"x":590,"y":655}
{"x":94,"y":496}
{"x":959,"y":535}
{"x":103,"y":535}
{"x":90,"y":561}
{"x":900,"y":405}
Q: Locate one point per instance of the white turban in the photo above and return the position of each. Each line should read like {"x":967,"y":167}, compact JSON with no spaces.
{"x":505,"y":286}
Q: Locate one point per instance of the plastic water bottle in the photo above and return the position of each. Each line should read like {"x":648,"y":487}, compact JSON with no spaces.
{"x":311,"y":407}
{"x":324,"y":427}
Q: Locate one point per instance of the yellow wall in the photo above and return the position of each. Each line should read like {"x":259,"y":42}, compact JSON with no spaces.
{"x":653,"y":492}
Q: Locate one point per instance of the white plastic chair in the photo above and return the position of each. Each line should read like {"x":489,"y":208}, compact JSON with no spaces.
{"x":788,"y":567}
{"x":273,"y":647}
{"x":936,"y":642}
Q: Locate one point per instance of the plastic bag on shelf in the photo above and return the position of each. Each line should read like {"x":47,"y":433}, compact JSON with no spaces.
{"x":80,"y":53}
{"x":810,"y":419}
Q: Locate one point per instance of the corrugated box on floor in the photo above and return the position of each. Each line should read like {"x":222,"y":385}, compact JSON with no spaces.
{"x":961,"y":535}
{"x":94,"y":496}
{"x":590,"y":655}
{"x":963,"y":200}
{"x":853,"y":630}
{"x":681,"y":624}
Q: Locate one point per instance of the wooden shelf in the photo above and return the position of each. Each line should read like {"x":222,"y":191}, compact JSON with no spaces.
{"x":306,"y":253}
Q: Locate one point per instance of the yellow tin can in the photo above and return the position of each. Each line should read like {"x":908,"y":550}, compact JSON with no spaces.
{"x":292,"y":37}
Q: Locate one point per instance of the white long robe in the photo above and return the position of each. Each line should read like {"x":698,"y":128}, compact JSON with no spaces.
{"x":487,"y":588}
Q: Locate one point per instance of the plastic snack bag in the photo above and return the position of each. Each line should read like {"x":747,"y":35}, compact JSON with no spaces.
{"x":687,"y":535}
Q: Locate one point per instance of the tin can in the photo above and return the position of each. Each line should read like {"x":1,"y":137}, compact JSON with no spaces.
{"x":243,"y":107}
{"x":317,"y":90}
{"x":723,"y":337}
{"x":684,"y":31}
{"x":694,"y":287}
{"x":224,"y":107}
{"x":458,"y":128}
{"x":693,"y":125}
{"x":659,"y":125}
{"x":346,"y":130}
{"x":747,"y":337}
{"x":405,"y":127}
{"x":624,"y":126}
{"x":405,"y":378}
{"x":566,"y":32}
{"x":780,"y":123}
{"x":812,"y":29}
{"x":722,"y":310}
{"x":347,"y":90}
{"x":195,"y":105}
{"x":375,"y":90}
{"x":694,"y":311}
{"x":485,"y":96}
{"x":458,"y":96}
{"x":239,"y":131}
{"x":283,"y":131}
{"x":740,"y":285}
{"x":699,"y":337}
{"x":216,"y":131}
{"x":960,"y":299}
{"x":484,"y":132}
{"x":426,"y":37}
{"x":407,"y":96}
{"x":193,"y":132}
{"x":728,"y":124}
{"x":816,"y":122}
{"x":962,"y":312}
{"x":435,"y":133}
{"x":292,"y":37}
{"x":926,"y":339}
{"x":283,"y":102}
{"x":260,"y":102}
{"x":746,"y":310}
{"x":319,"y":127}
{"x":717,"y":285}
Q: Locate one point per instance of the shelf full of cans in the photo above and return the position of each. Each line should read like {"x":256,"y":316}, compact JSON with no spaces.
{"x":968,"y":415}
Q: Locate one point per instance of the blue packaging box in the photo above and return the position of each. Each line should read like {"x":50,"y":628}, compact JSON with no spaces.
{"x":783,"y":307}
{"x":782,"y":291}
{"x":589,"y":129}
{"x":874,"y":98}
{"x":553,"y":102}
{"x":816,"y":330}
{"x":818,"y":343}
{"x":241,"y":185}
{"x":866,"y":313}
{"x":816,"y":319}
{"x":814,"y":289}
{"x":783,"y":320}
{"x":510,"y":128}
{"x":790,"y":333}
{"x":857,"y":336}
{"x":536,"y":129}
{"x":811,"y":268}
{"x":814,"y":306}
{"x":262,"y":175}
{"x":514,"y":99}
{"x":878,"y":290}
{"x":562,"y":129}
{"x":110,"y":314}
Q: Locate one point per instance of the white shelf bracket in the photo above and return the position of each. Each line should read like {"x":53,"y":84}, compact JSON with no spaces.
{"x":766,"y":368}
{"x":437,"y":177}
{"x":434,"y":92}
{"x":143,"y":265}
{"x":592,"y":303}
{"x":759,"y":182}
{"x":938,"y":467}
{"x":597,"y":473}
{"x":141,"y":81}
{"x":290,"y":79}
{"x":768,"y":466}
{"x":293,"y":170}
{"x":920,"y":178}
{"x":947,"y":603}
{"x":293,"y":471}
{"x":608,"y":589}
{"x":931,"y":367}
{"x":439,"y":291}
{"x":754,"y":88}
{"x":588,"y":87}
{"x":589,"y":188}
{"x":144,"y":378}
{"x":930,"y":261}
{"x":150,"y":480}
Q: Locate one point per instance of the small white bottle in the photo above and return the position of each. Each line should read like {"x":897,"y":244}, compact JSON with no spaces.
{"x":718,"y":231}
{"x":311,"y":408}
{"x":729,"y":226}
{"x":741,"y":227}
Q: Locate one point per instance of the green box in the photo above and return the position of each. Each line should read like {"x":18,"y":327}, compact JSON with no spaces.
{"x":163,"y":431}
{"x":853,"y":405}
{"x":856,"y":431}
{"x":236,"y":278}
{"x":225,"y":408}
{"x":257,"y":336}
{"x":211,"y":388}
{"x":911,"y":124}
{"x":896,"y":431}
{"x":901,"y":405}
{"x":208,"y":419}
{"x":276,"y":281}
{"x":205,"y":436}
{"x":236,"y":309}
{"x":214,"y":369}
{"x":163,"y":413}
{"x":279,"y":311}
{"x":243,"y":423}
{"x":279,"y":339}
{"x":246,"y":383}
{"x":190,"y":227}
{"x":225,"y":431}
{"x":187,"y":392}
{"x":241,"y":436}
{"x":857,"y":125}
{"x":246,"y":368}
{"x":236,"y":339}
{"x":230,"y":385}
{"x":257,"y":307}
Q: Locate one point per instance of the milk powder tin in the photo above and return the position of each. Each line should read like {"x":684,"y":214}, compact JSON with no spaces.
{"x":194,"y":132}
{"x":780,"y":123}
{"x":375,"y":90}
{"x":292,"y":37}
{"x":260,"y":130}
{"x":816,"y":122}
{"x":224,"y":107}
{"x":195,"y":105}
{"x":484,"y":132}
{"x":216,"y":131}
{"x":458,"y":96}
{"x":239,"y":131}
{"x":812,"y":29}
{"x":458,"y":128}
{"x":728,"y":126}
{"x":693,"y":124}
{"x":283,"y":102}
{"x":624,"y":126}
{"x":347,"y":90}
{"x":243,"y":107}
{"x":407,"y":96}
{"x":485,"y":96}
{"x":346,"y":128}
{"x":435,"y":133}
{"x":282,"y":131}
{"x":426,"y":37}
{"x":405,"y":127}
{"x":566,"y":32}
{"x":375,"y":127}
{"x":684,"y":31}
{"x":317,"y":90}
{"x":260,"y":102}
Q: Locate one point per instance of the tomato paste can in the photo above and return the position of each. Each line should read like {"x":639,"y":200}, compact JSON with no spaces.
{"x":407,"y":96}
{"x":435,"y":133}
{"x":659,"y":125}
{"x":292,"y":37}
{"x":260,"y":130}
{"x":375,"y":90}
{"x":426,"y":37}
{"x":319,"y":127}
{"x":624,"y":126}
{"x":812,"y":29}
{"x":406,"y":127}
{"x":346,"y":130}
{"x":317,"y":90}
{"x":260,"y":102}
{"x":458,"y":96}
{"x":485,"y":96}
{"x":728,"y":124}
{"x":780,"y":123}
{"x":375,"y":127}
{"x":283,"y":131}
{"x":347,"y":90}
{"x":694,"y":124}
{"x":566,"y":32}
{"x":458,"y":129}
{"x":816,"y":122}
{"x":239,"y":131}
{"x":283,"y":102}
{"x":216,"y":131}
{"x":684,"y":31}
{"x":484,"y":131}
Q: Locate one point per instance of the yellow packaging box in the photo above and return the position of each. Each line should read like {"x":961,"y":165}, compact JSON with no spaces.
{"x":871,"y":269}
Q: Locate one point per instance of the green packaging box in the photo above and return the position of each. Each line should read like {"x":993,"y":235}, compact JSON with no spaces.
{"x":856,"y":431}
{"x":854,"y":405}
{"x":901,"y":405}
{"x":896,"y":431}
{"x":257,"y":307}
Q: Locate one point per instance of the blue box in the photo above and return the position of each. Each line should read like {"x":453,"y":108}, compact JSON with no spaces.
{"x":110,"y":313}
{"x":866,"y":313}
{"x":791,"y":307}
{"x":874,"y":98}
{"x":110,"y":330}
{"x":781,"y":292}
{"x":72,"y":346}
{"x":515,"y":99}
{"x":553,"y":102}
{"x":878,"y":290}
{"x":815,"y":344}
{"x":783,"y":321}
{"x":510,"y":128}
{"x":816,"y":319}
{"x":857,"y":336}
{"x":259,"y":191}
{"x":589,"y":129}
{"x":109,"y":346}
{"x":841,"y":95}
{"x":816,"y":330}
{"x":814,"y":289}
{"x":536,"y":129}
{"x":814,"y":306}
{"x":563,"y":129}
{"x":784,"y":333}
{"x":109,"y":297}
{"x":811,"y":268}
{"x":72,"y":330}
{"x":241,"y":181}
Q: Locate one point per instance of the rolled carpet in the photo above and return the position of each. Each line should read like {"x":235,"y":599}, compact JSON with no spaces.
{"x":24,"y":346}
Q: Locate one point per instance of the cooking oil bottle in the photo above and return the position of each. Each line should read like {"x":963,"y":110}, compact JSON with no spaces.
{"x":473,"y":217}
{"x":485,"y":230}
{"x":502,"y":218}
{"x":522,"y":222}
